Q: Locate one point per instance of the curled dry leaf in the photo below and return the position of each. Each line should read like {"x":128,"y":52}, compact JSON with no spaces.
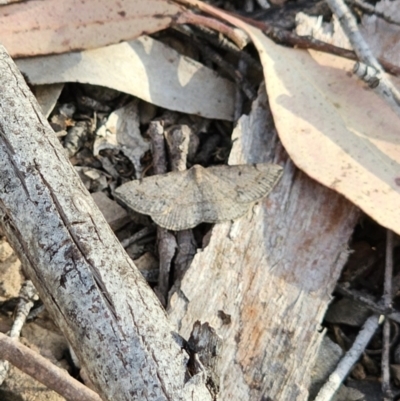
{"x":183,"y":199}
{"x":337,"y":131}
{"x":34,"y":28}
{"x":145,"y":68}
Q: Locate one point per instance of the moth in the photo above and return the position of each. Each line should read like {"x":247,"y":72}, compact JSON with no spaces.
{"x":183,"y":199}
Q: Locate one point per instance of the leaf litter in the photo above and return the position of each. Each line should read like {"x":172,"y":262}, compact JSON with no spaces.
{"x":183,"y":199}
{"x":291,"y":132}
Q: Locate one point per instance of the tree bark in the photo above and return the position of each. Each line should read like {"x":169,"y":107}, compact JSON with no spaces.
{"x":94,"y":292}
{"x":264,"y":281}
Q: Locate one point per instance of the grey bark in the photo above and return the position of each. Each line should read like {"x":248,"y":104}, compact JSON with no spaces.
{"x":98,"y":298}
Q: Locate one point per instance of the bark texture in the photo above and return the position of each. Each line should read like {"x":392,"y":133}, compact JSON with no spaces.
{"x":99,"y":299}
{"x":264,"y":281}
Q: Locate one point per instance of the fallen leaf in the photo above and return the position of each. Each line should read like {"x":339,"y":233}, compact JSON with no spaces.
{"x":144,"y":68}
{"x":335,"y":130}
{"x":183,"y":199}
{"x":38,"y":27}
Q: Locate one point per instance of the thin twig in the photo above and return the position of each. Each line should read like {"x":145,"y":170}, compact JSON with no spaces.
{"x":27,"y":296}
{"x":239,"y":100}
{"x":376,"y":307}
{"x":363,"y":338}
{"x":387,"y":299}
{"x":288,"y":38}
{"x":368,"y":8}
{"x":137,"y":236}
{"x":342,"y":370}
{"x":236,"y":35}
{"x":156,"y":134}
{"x":166,"y":240}
{"x":394,"y":335}
{"x":284,"y":37}
{"x":379,"y":81}
{"x":362,"y":5}
{"x":44,"y":371}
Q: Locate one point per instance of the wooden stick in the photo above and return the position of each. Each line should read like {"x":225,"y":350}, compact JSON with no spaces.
{"x":44,"y":371}
{"x":94,"y":292}
{"x":387,"y":299}
{"x":353,"y":354}
{"x":371,"y":71}
{"x":27,"y":297}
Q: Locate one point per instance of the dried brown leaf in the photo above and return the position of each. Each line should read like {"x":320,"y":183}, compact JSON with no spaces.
{"x":34,"y":28}
{"x":336,"y":130}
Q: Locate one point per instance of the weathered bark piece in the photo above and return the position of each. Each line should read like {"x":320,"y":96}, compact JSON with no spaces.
{"x":264,"y":281}
{"x":96,"y":295}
